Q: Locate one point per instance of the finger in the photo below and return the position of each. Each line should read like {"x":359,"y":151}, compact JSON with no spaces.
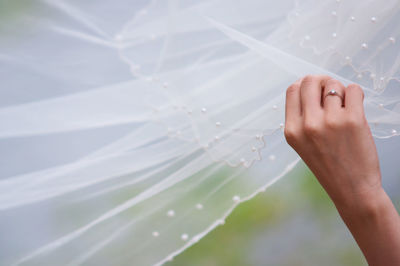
{"x":333,"y":103}
{"x":354,"y":99}
{"x":310,"y":95}
{"x":293,"y":106}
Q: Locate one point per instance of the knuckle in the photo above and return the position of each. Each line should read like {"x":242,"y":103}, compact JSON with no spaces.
{"x":292,"y":89}
{"x":332,"y":123}
{"x":291,"y":135}
{"x":312,"y":129}
{"x":334,"y":83}
{"x":356,"y":88}
{"x":309,"y":79}
{"x":353,"y":121}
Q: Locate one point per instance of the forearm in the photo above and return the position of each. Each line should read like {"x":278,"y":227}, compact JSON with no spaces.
{"x":375,"y":225}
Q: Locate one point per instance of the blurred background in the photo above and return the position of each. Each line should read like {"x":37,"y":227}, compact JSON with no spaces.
{"x":292,"y":223}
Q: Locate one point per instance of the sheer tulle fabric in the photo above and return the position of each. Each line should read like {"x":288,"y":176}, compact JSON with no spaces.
{"x":128,"y":130}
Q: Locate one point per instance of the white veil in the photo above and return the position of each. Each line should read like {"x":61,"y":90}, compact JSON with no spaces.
{"x":129,"y":130}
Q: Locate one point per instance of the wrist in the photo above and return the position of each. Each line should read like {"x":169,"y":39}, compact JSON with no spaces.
{"x":367,"y":205}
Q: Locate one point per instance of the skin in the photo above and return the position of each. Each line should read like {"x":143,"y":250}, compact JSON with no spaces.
{"x":333,"y":138}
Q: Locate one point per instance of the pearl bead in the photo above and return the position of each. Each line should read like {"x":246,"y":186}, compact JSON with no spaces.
{"x":221,"y":222}
{"x":274,"y":107}
{"x":307,"y":37}
{"x":364,"y":46}
{"x":334,"y":35}
{"x":203,"y":110}
{"x":348,"y":59}
{"x":199,"y":206}
{"x":334,"y":13}
{"x":382,"y":79}
{"x":272,"y":157}
{"x":359,"y":76}
{"x":394,"y":131}
{"x":281,"y":125}
{"x":242,"y":160}
{"x":380,"y":105}
{"x":372,"y":76}
{"x":155,"y":234}
{"x":218,"y":124}
{"x":373,"y":19}
{"x":171,"y":213}
{"x":236,"y":198}
{"x":216,"y":138}
{"x":253,"y":149}
{"x":352,"y":18}
{"x":184,"y":237}
{"x":392,"y":39}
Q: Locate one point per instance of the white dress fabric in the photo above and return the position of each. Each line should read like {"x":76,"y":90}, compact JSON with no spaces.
{"x":131,"y":129}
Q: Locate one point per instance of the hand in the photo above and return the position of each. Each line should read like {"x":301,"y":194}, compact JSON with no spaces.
{"x":331,"y":135}
{"x":333,"y":138}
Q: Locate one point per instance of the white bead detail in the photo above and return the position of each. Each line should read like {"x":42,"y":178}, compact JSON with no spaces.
{"x":242,"y":160}
{"x":348,"y":59}
{"x":165,"y":85}
{"x":392,"y":39}
{"x":236,"y":198}
{"x":334,"y":13}
{"x":352,"y":18}
{"x":203,"y":110}
{"x":218,"y":124}
{"x":155,"y":234}
{"x":274,"y":107}
{"x":373,"y":19}
{"x":258,"y":136}
{"x":334,"y":35}
{"x":359,"y":76}
{"x":253,"y":149}
{"x":171,"y":213}
{"x":372,"y":76}
{"x":382,"y":79}
{"x":281,"y":126}
{"x":184,"y":237}
{"x":380,"y":105}
{"x":394,"y":131}
{"x":199,"y":206}
{"x":364,"y":46}
{"x":307,"y":37}
{"x":216,"y":138}
{"x":271,"y":157}
{"x":221,"y":222}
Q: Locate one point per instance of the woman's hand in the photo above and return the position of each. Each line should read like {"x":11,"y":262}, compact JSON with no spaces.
{"x":333,"y":137}
{"x":330,"y":133}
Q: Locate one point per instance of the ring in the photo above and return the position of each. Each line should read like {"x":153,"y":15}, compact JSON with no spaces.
{"x":333,"y":93}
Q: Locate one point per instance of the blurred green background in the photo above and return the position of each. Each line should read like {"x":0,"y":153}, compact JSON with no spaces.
{"x":292,"y":223}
